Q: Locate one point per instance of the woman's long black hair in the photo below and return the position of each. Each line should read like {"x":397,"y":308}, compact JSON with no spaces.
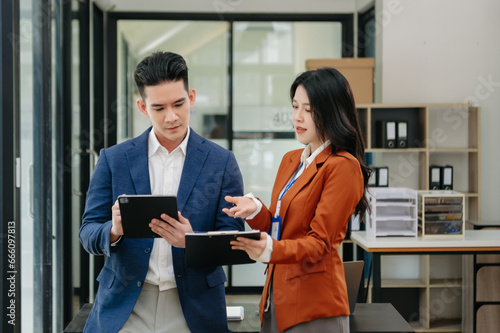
{"x":335,"y":116}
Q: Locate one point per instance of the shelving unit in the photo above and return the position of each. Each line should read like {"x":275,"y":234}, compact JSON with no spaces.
{"x":438,"y":134}
{"x":437,"y":291}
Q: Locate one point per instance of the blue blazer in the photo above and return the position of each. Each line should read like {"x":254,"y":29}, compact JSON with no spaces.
{"x":210,"y":173}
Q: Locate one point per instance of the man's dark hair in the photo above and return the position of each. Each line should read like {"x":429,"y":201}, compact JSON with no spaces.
{"x":160,"y":67}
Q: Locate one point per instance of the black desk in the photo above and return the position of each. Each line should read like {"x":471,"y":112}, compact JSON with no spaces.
{"x":377,"y":318}
{"x":77,"y":324}
{"x":367,"y":318}
{"x":482,"y":325}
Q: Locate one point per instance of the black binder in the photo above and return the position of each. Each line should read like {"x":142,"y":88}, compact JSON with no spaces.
{"x":402,"y":134}
{"x":447,"y":177}
{"x":372,"y":181}
{"x":434,"y":177}
{"x":379,"y":177}
{"x":387,"y":134}
{"x":382,"y":176}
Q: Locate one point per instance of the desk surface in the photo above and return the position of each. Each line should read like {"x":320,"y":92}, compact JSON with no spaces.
{"x":367,"y":318}
{"x":77,"y":324}
{"x":250,"y":303}
{"x":377,"y":317}
{"x":473,"y":241}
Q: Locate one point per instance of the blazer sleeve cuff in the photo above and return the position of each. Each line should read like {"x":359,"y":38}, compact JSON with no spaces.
{"x":105,"y":243}
{"x":257,"y":202}
{"x":265,"y":256}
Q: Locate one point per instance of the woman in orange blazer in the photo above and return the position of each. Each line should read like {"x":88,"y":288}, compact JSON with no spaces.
{"x":316,"y":191}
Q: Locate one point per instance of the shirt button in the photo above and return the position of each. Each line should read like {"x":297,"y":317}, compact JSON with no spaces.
{"x":147,"y":250}
{"x":139,"y":283}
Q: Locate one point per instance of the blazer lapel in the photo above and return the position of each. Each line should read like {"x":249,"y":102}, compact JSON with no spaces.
{"x":196,"y":155}
{"x":302,"y":181}
{"x":137,"y":157}
{"x":286,"y":174}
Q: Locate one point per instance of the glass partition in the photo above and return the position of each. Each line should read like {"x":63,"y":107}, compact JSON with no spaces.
{"x":26,"y":134}
{"x":265,"y":58}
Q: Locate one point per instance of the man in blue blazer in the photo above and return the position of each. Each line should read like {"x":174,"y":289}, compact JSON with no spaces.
{"x":144,"y":285}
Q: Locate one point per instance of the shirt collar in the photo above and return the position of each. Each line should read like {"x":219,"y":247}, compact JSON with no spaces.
{"x":154,"y":144}
{"x":307,"y":157}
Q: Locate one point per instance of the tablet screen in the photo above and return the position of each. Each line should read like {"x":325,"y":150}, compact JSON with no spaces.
{"x":137,"y":211}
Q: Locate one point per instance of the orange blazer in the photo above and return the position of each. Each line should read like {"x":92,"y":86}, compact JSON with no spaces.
{"x":307,"y":271}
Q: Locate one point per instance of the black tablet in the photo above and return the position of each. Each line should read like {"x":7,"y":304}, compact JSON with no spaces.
{"x":213,"y":248}
{"x":137,"y":211}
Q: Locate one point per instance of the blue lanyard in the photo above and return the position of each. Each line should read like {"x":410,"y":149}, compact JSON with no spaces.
{"x":287,"y":187}
{"x":290,"y":183}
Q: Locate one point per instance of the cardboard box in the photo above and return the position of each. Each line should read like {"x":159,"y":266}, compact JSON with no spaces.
{"x":358,"y":71}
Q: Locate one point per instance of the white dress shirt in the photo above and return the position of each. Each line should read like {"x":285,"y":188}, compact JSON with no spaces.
{"x":165,"y":170}
{"x":305,"y":160}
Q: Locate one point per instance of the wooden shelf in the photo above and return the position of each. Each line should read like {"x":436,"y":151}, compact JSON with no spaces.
{"x":396,"y":150}
{"x":382,"y":218}
{"x":439,"y":134}
{"x":403,"y":283}
{"x":447,"y":325}
{"x":445,"y":283}
{"x":412,"y":105}
{"x":453,"y":150}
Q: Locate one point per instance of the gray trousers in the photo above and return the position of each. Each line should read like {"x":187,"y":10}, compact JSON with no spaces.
{"x":156,"y":312}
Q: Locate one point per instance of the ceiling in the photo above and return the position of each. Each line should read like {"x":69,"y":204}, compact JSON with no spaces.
{"x":184,"y":37}
{"x":235,"y":6}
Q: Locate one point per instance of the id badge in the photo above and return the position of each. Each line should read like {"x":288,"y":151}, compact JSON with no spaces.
{"x":276,"y":227}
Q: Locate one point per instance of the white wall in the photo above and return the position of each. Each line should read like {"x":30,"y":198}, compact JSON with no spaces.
{"x":445,"y":51}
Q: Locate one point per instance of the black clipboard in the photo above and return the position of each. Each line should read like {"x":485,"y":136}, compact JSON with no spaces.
{"x":137,"y":211}
{"x":214,"y":248}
